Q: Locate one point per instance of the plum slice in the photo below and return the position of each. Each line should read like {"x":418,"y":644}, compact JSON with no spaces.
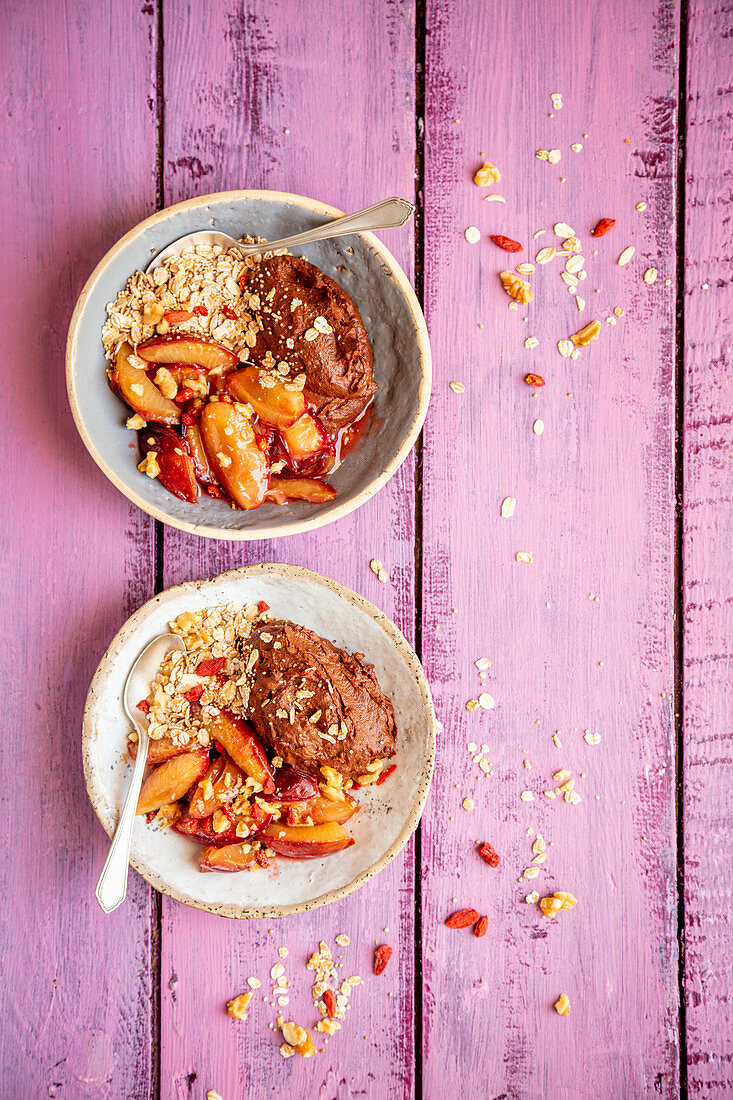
{"x":202,"y":469}
{"x":140,"y":393}
{"x":239,"y":463}
{"x":307,"y":841}
{"x":171,"y":780}
{"x":305,"y":440}
{"x":244,"y":746}
{"x":159,"y":749}
{"x":177,"y":470}
{"x":311,"y":489}
{"x":232,"y":857}
{"x":275,"y":405}
{"x":188,"y":350}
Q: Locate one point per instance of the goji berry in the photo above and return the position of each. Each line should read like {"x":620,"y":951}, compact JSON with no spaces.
{"x":176,"y":316}
{"x":210,"y":667}
{"x":381,"y":957}
{"x":463,"y":918}
{"x":603,"y":227}
{"x":481,"y":925}
{"x":201,"y":311}
{"x":144,"y":706}
{"x":487,"y":853}
{"x":262,"y":606}
{"x":194,"y":694}
{"x":386,"y":775}
{"x":329,"y":1000}
{"x":506,"y":243}
{"x":530,"y":379}
{"x":183,"y":396}
{"x":229,"y":313}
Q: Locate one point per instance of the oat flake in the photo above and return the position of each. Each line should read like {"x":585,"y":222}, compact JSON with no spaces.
{"x":538,"y":427}
{"x":650,"y":275}
{"x":508,"y":505}
{"x":472,"y":234}
{"x":626,"y":256}
{"x":457,"y":387}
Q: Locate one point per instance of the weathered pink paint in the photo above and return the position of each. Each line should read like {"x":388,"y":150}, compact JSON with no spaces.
{"x":77,"y":985}
{"x":276,"y":95}
{"x":595,"y":506}
{"x":266,"y":111}
{"x":708,"y":536}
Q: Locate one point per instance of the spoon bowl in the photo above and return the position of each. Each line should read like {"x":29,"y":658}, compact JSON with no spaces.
{"x":112,"y":886}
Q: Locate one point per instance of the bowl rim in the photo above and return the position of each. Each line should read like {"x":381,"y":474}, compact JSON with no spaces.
{"x":297,"y":526}
{"x":404,"y":649}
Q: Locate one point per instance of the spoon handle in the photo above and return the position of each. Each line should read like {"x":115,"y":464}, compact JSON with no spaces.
{"x":387,"y":214}
{"x":112,"y":886}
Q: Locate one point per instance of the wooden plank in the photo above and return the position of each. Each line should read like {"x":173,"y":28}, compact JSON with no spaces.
{"x":595,"y":499}
{"x":282,"y":98}
{"x":708,"y":535}
{"x":77,"y":985}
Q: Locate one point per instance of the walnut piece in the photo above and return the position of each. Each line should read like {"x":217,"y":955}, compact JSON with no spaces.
{"x":486,"y":175}
{"x":590,"y":332}
{"x":516,"y":287}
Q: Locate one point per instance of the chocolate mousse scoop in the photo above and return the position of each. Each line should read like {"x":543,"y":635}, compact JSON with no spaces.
{"x":311,"y":323}
{"x":315,"y":704}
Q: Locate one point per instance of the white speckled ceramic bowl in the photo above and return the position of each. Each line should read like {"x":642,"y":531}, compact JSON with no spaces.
{"x":391,"y":313}
{"x":389,"y":813}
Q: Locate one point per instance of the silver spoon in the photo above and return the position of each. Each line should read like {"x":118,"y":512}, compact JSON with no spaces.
{"x":388,"y":214}
{"x":112,"y":886}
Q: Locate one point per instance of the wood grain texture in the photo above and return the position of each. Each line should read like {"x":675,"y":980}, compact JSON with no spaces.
{"x":708,"y":536}
{"x":286,"y":99}
{"x":76,"y":558}
{"x":595,"y":506}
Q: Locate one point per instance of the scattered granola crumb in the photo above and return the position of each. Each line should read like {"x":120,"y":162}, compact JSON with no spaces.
{"x":526,"y":796}
{"x":626,"y":256}
{"x":576,"y":147}
{"x":493,"y":197}
{"x":472,"y":704}
{"x":457,"y":387}
{"x":516,"y":287}
{"x":524,"y":557}
{"x":545,"y":254}
{"x":237,"y":1007}
{"x":467,"y":804}
{"x":486,"y":701}
{"x":378,"y":570}
{"x":562,"y":229}
{"x":538,"y":427}
{"x":508,"y":505}
{"x":554,"y":903}
{"x":584,"y":337}
{"x":641,"y":205}
{"x":592,"y":738}
{"x":486,"y":175}
{"x":556,"y":98}
{"x":532,"y":898}
{"x":556,"y":741}
{"x":531,"y":342}
{"x":212,"y":1094}
{"x":482,"y":663}
{"x":254,"y":983}
{"x":472,"y":234}
{"x":342,"y":940}
{"x":562,"y":1005}
{"x":650,"y":275}
{"x":565,"y":347}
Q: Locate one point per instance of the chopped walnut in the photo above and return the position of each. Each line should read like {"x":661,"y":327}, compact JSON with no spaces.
{"x":486,"y":175}
{"x":149,"y":465}
{"x":562,"y":1005}
{"x":554,"y":903}
{"x":590,"y":332}
{"x":237,"y":1008}
{"x":516,"y":287}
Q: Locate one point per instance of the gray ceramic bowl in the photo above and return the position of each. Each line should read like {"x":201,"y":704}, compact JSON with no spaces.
{"x":392,"y":316}
{"x":388,"y":814}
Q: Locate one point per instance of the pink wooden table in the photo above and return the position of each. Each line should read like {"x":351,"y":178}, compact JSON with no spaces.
{"x":113,"y":109}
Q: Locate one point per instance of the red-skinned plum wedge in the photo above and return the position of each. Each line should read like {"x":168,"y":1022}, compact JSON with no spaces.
{"x":159,"y":750}
{"x":321,"y":809}
{"x":232,"y":857}
{"x":311,"y":489}
{"x":187,"y":350}
{"x":171,"y":780}
{"x":275,"y":405}
{"x":307,"y":841}
{"x":202,"y":469}
{"x":244,"y":746}
{"x":293,"y":785}
{"x":203,"y":832}
{"x":177,"y":470}
{"x":238,"y":462}
{"x":305,"y":440}
{"x":140,"y":393}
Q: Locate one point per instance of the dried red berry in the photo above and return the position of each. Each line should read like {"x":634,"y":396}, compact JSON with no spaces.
{"x":603,"y":227}
{"x":211,"y":667}
{"x":386,"y":775}
{"x":463,"y":918}
{"x":229,"y":313}
{"x":481,"y":925}
{"x":183,"y":396}
{"x":488,"y":854}
{"x":176,"y":316}
{"x":381,"y":957}
{"x":506,"y":243}
{"x":194,"y":694}
{"x":144,"y":706}
{"x":201,"y":311}
{"x":262,"y":859}
{"x":262,"y":606}
{"x":329,"y":1000}
{"x":534,"y":380}
{"x":188,"y":418}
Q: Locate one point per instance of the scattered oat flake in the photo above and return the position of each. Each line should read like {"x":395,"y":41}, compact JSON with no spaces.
{"x":562,"y":229}
{"x":526,"y":796}
{"x":254,"y":983}
{"x":530,"y":872}
{"x":562,"y":1005}
{"x":493,"y":197}
{"x":457,"y":387}
{"x":556,"y":98}
{"x":486,"y":175}
{"x":486,"y":701}
{"x":467,"y":804}
{"x":580,"y":303}
{"x":565,"y":348}
{"x":342,"y":940}
{"x":532,"y":898}
{"x":641,"y":206}
{"x":531,"y":342}
{"x":626,"y":256}
{"x":482,"y":663}
{"x":378,"y":570}
{"x":576,"y":147}
{"x":472,"y":234}
{"x":472,"y":704}
{"x":592,"y":738}
{"x":539,"y":233}
{"x":538,"y":427}
{"x":545,"y":255}
{"x":523,"y":556}
{"x":556,"y":741}
{"x":508,"y":505}
{"x":525,"y":269}
{"x":650,"y":275}
{"x":212,"y":1094}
